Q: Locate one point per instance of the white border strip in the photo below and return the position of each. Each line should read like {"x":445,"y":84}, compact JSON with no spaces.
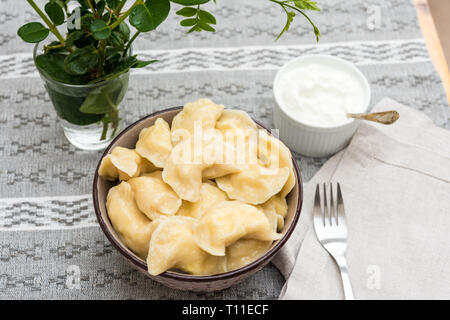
{"x":286,"y":47}
{"x":44,"y":199}
{"x":50,"y":228}
{"x":249,"y":58}
{"x":52,"y":213}
{"x":228,"y":49}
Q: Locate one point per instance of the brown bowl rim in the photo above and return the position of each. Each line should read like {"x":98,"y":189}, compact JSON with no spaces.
{"x":185,"y":277}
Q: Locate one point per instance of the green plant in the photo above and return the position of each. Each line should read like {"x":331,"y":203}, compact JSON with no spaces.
{"x":96,"y":44}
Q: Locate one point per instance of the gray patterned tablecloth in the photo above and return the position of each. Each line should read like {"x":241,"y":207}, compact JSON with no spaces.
{"x":49,"y":237}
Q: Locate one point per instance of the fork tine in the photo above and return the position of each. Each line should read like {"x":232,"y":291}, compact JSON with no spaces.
{"x":340,"y":212}
{"x":325,"y":204}
{"x":317,"y":210}
{"x":332,"y":206}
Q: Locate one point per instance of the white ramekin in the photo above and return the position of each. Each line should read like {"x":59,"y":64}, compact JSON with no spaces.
{"x":316,"y":141}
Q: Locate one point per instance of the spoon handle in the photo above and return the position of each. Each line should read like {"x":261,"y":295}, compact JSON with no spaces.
{"x":386,"y":117}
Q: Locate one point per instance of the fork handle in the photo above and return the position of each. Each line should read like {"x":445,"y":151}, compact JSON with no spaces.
{"x":348,"y":292}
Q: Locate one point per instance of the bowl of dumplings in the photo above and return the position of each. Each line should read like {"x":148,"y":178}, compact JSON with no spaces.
{"x":197,"y":197}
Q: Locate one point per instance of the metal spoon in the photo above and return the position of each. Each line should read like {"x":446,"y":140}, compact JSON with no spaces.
{"x":386,"y":117}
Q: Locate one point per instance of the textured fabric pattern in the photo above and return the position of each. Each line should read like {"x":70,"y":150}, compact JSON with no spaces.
{"x":48,"y":232}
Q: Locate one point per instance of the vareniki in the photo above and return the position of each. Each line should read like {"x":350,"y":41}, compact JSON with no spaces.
{"x":203,"y":195}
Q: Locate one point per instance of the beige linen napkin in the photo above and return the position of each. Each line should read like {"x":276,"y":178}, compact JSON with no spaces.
{"x":396,"y":186}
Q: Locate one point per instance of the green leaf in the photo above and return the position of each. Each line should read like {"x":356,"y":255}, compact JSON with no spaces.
{"x":81,"y":61}
{"x":299,"y":6}
{"x":125,"y":64}
{"x":73,"y":37}
{"x":105,"y":100}
{"x":148,"y":16}
{"x":33,"y":32}
{"x":307,"y":5}
{"x":115,"y":69}
{"x":116,"y":40}
{"x":124,"y":29}
{"x":187,"y":12}
{"x":53,"y":65}
{"x":188,"y":22}
{"x":113,"y":3}
{"x":100,"y":6}
{"x":316,"y":32}
{"x":62,"y":3}
{"x":55,"y":12}
{"x":190,"y":2}
{"x":195,"y":28}
{"x":100,"y":30}
{"x":98,"y":102}
{"x":113,"y":54}
{"x":118,"y":67}
{"x":86,"y":20}
{"x":204,"y":26}
{"x":206,"y":17}
{"x":142,"y":64}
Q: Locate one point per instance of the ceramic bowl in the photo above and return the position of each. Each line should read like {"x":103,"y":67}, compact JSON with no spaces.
{"x":128,"y":139}
{"x":307,"y":139}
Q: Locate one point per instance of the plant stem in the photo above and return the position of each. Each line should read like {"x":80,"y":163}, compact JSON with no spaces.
{"x":126,"y":14}
{"x":110,"y":117}
{"x":119,"y":7}
{"x":92,"y":8}
{"x":285,"y":4}
{"x":102,"y":57}
{"x":297,"y":9}
{"x":47,"y":21}
{"x":105,"y":130}
{"x":110,"y":15}
{"x":130,"y":42}
{"x":56,"y":46}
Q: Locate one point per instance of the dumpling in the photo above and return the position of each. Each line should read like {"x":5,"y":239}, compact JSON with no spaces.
{"x":238,"y":141}
{"x":276,"y":221}
{"x":124,"y":164}
{"x":153,"y":196}
{"x":220,"y":170}
{"x":185,"y":165}
{"x":155,"y":143}
{"x":242,"y":136}
{"x":172,"y":246}
{"x":245,"y":251}
{"x":274,"y":154}
{"x":276,"y":204}
{"x":276,"y":210}
{"x":204,"y":112}
{"x":255,"y":185}
{"x":182,"y":173}
{"x":209,"y":196}
{"x":132,"y":226}
{"x":229,"y":221}
{"x":221,"y":159}
{"x":235,"y":119}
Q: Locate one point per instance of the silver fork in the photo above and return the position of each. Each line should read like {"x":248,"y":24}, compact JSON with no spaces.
{"x":331,"y":230}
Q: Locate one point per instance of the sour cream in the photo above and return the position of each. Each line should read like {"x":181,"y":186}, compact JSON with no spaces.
{"x":320,"y":94}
